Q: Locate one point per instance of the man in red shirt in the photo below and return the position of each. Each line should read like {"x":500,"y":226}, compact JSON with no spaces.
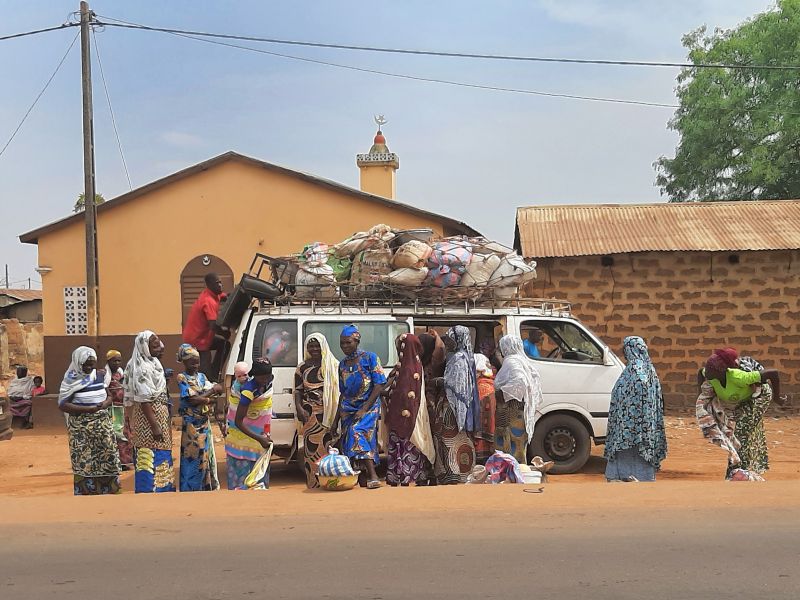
{"x":201,"y":329}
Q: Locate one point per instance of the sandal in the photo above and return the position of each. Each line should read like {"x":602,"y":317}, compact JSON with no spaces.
{"x":373,"y":484}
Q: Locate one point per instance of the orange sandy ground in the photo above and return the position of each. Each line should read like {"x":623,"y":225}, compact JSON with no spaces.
{"x":36,"y":482}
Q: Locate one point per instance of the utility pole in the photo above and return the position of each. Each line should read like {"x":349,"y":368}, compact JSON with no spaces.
{"x":89,"y":192}
{"x":6,"y":276}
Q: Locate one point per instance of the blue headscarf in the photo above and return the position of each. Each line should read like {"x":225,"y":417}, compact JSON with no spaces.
{"x":351,"y":331}
{"x":636,"y":414}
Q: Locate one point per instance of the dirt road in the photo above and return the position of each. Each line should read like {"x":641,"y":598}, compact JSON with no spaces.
{"x":690,"y":535}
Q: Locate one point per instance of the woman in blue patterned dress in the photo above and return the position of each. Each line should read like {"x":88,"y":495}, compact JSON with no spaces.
{"x":636,"y":442}
{"x":361,"y":381}
{"x":198,"y":461}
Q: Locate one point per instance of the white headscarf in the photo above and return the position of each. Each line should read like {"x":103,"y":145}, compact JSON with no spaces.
{"x":330,"y":378}
{"x":518,"y":379}
{"x":74,"y":378}
{"x":482,"y":366}
{"x":144,"y":375}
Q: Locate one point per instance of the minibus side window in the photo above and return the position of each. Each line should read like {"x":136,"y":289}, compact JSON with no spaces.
{"x":277,"y":341}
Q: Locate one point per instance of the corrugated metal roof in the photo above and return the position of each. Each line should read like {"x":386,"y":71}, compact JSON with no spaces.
{"x":21,"y":295}
{"x":585,"y":230}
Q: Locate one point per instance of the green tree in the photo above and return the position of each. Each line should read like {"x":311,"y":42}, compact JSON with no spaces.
{"x":739,"y":128}
{"x":80,"y":203}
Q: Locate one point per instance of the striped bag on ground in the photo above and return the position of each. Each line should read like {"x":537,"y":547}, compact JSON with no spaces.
{"x":335,"y":465}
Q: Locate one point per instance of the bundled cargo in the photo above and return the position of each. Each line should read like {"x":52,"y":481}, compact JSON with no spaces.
{"x":383,"y":263}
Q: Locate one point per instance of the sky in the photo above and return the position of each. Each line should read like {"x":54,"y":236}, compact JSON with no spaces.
{"x":471,"y":154}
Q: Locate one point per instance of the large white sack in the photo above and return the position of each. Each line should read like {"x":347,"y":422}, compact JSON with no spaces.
{"x":513,"y":271}
{"x":480,"y":270}
{"x":316,"y":276}
{"x":407,"y":277}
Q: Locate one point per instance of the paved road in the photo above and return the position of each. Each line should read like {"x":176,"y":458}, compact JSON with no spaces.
{"x":666,"y":554}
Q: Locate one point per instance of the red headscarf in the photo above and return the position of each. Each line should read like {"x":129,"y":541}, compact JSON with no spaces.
{"x":406,"y":393}
{"x":729,"y":357}
{"x":716,"y":366}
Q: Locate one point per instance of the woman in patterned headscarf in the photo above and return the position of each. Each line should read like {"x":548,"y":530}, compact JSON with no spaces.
{"x":518,"y":395}
{"x":410,"y":442}
{"x":636,"y":442}
{"x":316,"y":398}
{"x":146,"y":390}
{"x":455,"y":409}
{"x":198,"y":460}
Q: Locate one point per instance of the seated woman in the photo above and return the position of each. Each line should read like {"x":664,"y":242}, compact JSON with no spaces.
{"x":20,"y":395}
{"x":361,"y":381}
{"x":92,"y":447}
{"x":744,"y":387}
{"x":198,"y":461}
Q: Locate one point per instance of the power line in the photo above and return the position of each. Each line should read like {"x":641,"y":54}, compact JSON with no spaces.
{"x":470,"y":55}
{"x":44,"y":89}
{"x":111,"y":110}
{"x":428,"y":79}
{"x":46,"y":29}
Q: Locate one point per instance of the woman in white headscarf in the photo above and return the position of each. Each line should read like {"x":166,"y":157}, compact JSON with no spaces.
{"x":518,"y":392}
{"x":316,"y":399}
{"x":146,"y":390}
{"x":92,"y":446}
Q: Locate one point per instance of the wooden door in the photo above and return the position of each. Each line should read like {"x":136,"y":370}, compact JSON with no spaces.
{"x":193,"y":279}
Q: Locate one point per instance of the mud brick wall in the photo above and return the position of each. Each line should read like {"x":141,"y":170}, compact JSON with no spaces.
{"x":20,"y":343}
{"x":686,"y":304}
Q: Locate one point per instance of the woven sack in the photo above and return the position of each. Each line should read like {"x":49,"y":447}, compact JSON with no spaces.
{"x":412,"y":255}
{"x":371,"y":266}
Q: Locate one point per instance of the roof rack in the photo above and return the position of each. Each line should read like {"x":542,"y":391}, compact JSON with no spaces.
{"x":396,"y":299}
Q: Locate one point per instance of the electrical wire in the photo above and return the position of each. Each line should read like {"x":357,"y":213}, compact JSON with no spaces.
{"x":449,"y":82}
{"x":44,"y":89}
{"x":426,"y":79}
{"x":111,"y":109}
{"x":470,"y":55}
{"x":46,"y":29}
